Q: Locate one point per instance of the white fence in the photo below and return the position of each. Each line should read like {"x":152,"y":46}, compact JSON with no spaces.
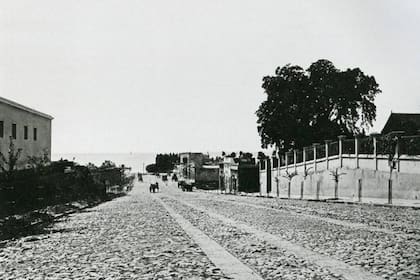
{"x":362,"y":165}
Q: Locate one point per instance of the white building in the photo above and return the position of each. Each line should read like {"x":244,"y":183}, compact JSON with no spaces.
{"x":30,"y":130}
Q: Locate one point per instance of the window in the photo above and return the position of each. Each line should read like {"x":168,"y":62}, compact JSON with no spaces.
{"x":1,"y":129}
{"x":14,"y":136}
{"x":35,"y":134}
{"x":25,"y":132}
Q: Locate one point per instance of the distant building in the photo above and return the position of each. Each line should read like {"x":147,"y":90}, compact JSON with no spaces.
{"x":239,"y":174}
{"x":228,"y":174}
{"x":207,"y":176}
{"x":198,"y":168}
{"x":30,"y":130}
{"x":409,"y":123}
{"x":189,"y":163}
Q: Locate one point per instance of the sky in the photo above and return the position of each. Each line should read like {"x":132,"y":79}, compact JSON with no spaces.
{"x":186,"y":75}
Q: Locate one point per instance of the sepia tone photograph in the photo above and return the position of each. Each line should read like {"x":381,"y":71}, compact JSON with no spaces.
{"x":224,"y":139}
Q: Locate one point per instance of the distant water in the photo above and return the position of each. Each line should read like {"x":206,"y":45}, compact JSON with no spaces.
{"x":133,"y":160}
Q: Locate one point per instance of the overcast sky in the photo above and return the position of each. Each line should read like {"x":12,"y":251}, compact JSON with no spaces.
{"x":161,"y":76}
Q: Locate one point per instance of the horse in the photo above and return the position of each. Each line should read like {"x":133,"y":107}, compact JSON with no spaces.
{"x":154,"y":187}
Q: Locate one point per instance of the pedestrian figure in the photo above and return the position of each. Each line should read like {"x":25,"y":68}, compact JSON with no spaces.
{"x":174,"y":178}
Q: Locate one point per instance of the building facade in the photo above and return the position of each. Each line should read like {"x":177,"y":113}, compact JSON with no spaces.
{"x":28,"y":129}
{"x":190,"y":163}
{"x":228,"y":181}
{"x":199,"y":169}
{"x":207,"y":177}
{"x":239,"y":175}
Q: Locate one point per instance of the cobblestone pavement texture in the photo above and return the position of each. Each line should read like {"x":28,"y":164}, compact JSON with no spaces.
{"x":390,"y":256}
{"x":398,"y":219}
{"x":128,"y":238}
{"x":269,"y":261}
{"x":133,"y":237}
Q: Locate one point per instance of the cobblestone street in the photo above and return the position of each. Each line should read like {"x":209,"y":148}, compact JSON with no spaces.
{"x":173,"y":235}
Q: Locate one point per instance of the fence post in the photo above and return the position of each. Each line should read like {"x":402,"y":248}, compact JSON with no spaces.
{"x":375,"y":149}
{"x":359,"y":191}
{"x":286,"y":160}
{"x":278,"y":172}
{"x":304,"y":170}
{"x":269,"y":174}
{"x":356,"y":150}
{"x":340,"y":149}
{"x":327,"y":143}
{"x":294,"y":159}
{"x":315,"y":145}
{"x":259,"y":181}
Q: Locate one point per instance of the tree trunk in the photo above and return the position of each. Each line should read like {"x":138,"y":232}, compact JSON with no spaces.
{"x":390,"y":186}
{"x":318,"y":187}
{"x":336,"y":190}
{"x":302,"y":184}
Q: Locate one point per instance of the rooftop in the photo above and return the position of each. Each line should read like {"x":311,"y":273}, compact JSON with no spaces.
{"x":402,"y":121}
{"x":24,"y":108}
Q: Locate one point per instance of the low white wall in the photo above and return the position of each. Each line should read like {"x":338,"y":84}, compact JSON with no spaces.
{"x":374,"y":183}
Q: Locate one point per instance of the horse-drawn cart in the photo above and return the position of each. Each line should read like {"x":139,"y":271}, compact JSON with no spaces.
{"x":185,"y":185}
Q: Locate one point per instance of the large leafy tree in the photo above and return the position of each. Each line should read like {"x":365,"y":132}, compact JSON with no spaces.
{"x":163,"y":163}
{"x":308,"y":106}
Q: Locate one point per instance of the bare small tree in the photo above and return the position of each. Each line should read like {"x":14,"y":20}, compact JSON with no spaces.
{"x":336,"y":177}
{"x":390,"y":148}
{"x":289,"y":177}
{"x":8,"y":163}
{"x":305,"y":174}
{"x":277,"y":185}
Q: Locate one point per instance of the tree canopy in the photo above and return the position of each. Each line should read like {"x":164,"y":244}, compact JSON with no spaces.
{"x":108,"y":164}
{"x":163,"y":163}
{"x":313,"y":105}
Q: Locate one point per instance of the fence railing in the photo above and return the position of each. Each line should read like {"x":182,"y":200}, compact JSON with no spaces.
{"x":333,"y":148}
{"x":391,"y":147}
